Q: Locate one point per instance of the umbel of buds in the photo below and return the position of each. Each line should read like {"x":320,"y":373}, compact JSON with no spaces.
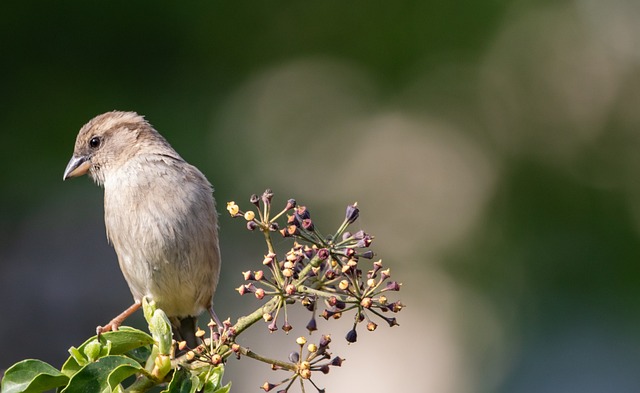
{"x":330,"y":275}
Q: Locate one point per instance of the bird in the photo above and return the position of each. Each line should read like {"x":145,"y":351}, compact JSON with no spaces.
{"x":160,"y":217}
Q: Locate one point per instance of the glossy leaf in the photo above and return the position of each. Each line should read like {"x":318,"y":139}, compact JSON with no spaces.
{"x":31,"y":376}
{"x":113,"y":343}
{"x":104,"y":375}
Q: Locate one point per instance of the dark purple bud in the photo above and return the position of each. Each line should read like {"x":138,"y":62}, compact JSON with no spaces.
{"x":324,"y":341}
{"x":325,"y":369}
{"x":311,"y":326}
{"x":302,"y":213}
{"x":267,"y":386}
{"x":255,"y":199}
{"x":352,"y":336}
{"x":293,"y":220}
{"x":294,"y":357}
{"x":310,"y":305}
{"x":396,"y":306}
{"x":274,"y":227}
{"x":364,"y":242}
{"x":392,"y":286}
{"x":352,"y":213}
{"x":359,"y":235}
{"x":293,"y":230}
{"x":291,"y":203}
{"x":267,"y":195}
{"x":307,"y":224}
{"x":323,"y":254}
{"x":337,"y":361}
{"x":337,"y":303}
{"x":251,"y":225}
{"x":367,"y":254}
{"x":391,"y":321}
{"x":286,"y":327}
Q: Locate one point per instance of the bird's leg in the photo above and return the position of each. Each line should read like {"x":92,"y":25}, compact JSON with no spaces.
{"x":215,"y":319}
{"x":115,"y":323}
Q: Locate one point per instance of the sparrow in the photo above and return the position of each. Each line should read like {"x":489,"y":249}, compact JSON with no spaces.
{"x":160,"y":216}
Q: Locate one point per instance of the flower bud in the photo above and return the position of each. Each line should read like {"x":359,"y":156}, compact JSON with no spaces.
{"x":302,"y":213}
{"x":251,"y":225}
{"x":367,"y":254}
{"x":287,"y":272}
{"x":267,"y":195}
{"x":305,"y":373}
{"x":291,"y":203}
{"x":352,"y":336}
{"x":396,"y":306}
{"x":200,"y":333}
{"x":254,"y":199}
{"x":392,"y":286}
{"x":294,"y":357}
{"x":287,"y":327}
{"x":232,"y":208}
{"x":371,"y":326}
{"x":312,"y":348}
{"x":308,"y":224}
{"x":352,"y":213}
{"x":259,"y":293}
{"x":259,"y":275}
{"x":312,"y":326}
{"x":301,"y":340}
{"x":366,"y":302}
{"x":267,"y":386}
{"x":293,"y":230}
{"x":248,"y":275}
{"x":290,"y":289}
{"x":267,"y":317}
{"x":337,"y":361}
{"x":325,"y":340}
{"x":344,"y":284}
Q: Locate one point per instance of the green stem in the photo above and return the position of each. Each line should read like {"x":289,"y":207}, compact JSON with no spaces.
{"x":325,"y":294}
{"x":284,"y":365}
{"x":246,"y":321}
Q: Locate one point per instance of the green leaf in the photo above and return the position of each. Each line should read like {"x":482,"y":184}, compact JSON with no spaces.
{"x":104,"y":375}
{"x":113,"y":343}
{"x":182,"y":382}
{"x":225,"y":389}
{"x":32,"y":376}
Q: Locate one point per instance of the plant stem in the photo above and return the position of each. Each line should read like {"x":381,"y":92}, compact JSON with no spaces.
{"x":248,"y":320}
{"x":285,"y":365}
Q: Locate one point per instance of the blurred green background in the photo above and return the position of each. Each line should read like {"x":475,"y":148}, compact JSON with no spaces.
{"x":491,"y":145}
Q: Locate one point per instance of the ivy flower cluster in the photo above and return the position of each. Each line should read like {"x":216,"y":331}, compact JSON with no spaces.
{"x":330,"y":275}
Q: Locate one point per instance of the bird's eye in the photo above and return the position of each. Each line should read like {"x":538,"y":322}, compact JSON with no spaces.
{"x":94,"y":143}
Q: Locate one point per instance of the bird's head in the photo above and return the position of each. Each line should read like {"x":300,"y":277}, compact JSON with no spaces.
{"x":107,"y":141}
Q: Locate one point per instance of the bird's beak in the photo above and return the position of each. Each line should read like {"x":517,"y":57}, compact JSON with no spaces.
{"x":77,"y":166}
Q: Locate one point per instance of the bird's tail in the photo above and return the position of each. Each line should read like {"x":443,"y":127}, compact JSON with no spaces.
{"x":184,"y":329}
